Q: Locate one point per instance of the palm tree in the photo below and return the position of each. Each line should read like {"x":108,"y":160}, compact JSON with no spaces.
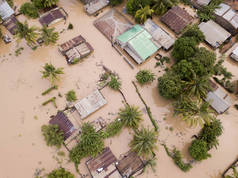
{"x":29,"y":33}
{"x":49,"y":36}
{"x":51,"y":72}
{"x":143,"y":13}
{"x":193,"y":111}
{"x":161,"y":6}
{"x":130,"y":116}
{"x":198,"y":86}
{"x":144,"y":142}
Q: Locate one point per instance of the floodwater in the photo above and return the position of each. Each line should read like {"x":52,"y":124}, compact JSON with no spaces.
{"x":22,"y":148}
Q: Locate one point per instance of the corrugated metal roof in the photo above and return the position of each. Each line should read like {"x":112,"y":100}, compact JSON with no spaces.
{"x":219,"y":100}
{"x":5,"y":10}
{"x":203,"y":2}
{"x":90,"y":104}
{"x":215,"y":35}
{"x":222,"y":9}
{"x":93,"y":6}
{"x":129,"y":34}
{"x":158,"y":34}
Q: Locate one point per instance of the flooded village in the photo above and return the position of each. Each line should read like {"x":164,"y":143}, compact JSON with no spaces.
{"x":119,"y":89}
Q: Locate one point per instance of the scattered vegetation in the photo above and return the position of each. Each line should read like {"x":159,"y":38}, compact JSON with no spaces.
{"x":52,"y":135}
{"x":91,"y":143}
{"x":18,"y":51}
{"x":177,"y":158}
{"x":60,"y":173}
{"x":70,"y":26}
{"x":144,"y":142}
{"x":49,"y":36}
{"x":71,"y":96}
{"x":29,"y":10}
{"x":145,"y":76}
{"x":55,"y":87}
{"x":51,"y":100}
{"x":130,"y":116}
{"x":114,"y":83}
{"x":51,"y":73}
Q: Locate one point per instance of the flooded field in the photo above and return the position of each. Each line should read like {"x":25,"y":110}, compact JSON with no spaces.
{"x":22,"y":148}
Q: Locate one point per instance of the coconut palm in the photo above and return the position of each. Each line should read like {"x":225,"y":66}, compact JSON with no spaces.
{"x":144,"y":142}
{"x":29,"y":33}
{"x":51,"y":72}
{"x":161,"y":6}
{"x":49,"y":3}
{"x":49,"y":35}
{"x":143,"y":13}
{"x":193,"y":111}
{"x":131,"y":116}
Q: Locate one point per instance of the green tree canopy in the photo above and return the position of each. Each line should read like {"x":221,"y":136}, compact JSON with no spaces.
{"x":161,"y":6}
{"x":114,"y":83}
{"x":130,"y":116}
{"x":143,"y":14}
{"x":145,"y":76}
{"x":51,"y":72}
{"x":29,"y":10}
{"x":53,"y":135}
{"x":115,"y":2}
{"x":198,"y":150}
{"x":133,"y":5}
{"x":71,"y":96}
{"x":49,"y":35}
{"x":195,"y":33}
{"x":60,"y":173}
{"x":144,"y":142}
{"x":91,"y":143}
{"x":184,"y":48}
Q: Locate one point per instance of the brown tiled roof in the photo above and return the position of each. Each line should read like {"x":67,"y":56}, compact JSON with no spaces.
{"x":104,"y":160}
{"x":177,"y":19}
{"x":64,"y":124}
{"x":130,"y":164}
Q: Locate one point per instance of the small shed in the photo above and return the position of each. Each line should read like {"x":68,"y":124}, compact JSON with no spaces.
{"x":5,"y":10}
{"x":177,"y":19}
{"x":103,"y":166}
{"x":234,"y":54}
{"x":94,"y":6}
{"x":214,"y":34}
{"x":64,"y":124}
{"x":160,"y":36}
{"x":53,"y":16}
{"x":219,"y":100}
{"x":137,"y":42}
{"x":90,"y":104}
{"x":227,"y":18}
{"x":130,"y":165}
{"x":11,"y":24}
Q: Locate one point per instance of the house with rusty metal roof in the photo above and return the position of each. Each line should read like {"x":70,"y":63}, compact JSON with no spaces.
{"x":214,"y":34}
{"x":227,"y":18}
{"x":90,"y":104}
{"x":177,"y":19}
{"x":94,"y":6}
{"x":103,"y":166}
{"x":130,"y":165}
{"x":64,"y":124}
{"x":137,"y":42}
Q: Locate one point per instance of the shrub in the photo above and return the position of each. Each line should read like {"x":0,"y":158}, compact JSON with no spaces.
{"x":71,"y":96}
{"x":70,"y":26}
{"x":145,"y":76}
{"x":59,"y":173}
{"x":198,"y":150}
{"x":29,"y":10}
{"x":114,"y":83}
{"x":53,"y":135}
{"x":115,"y":2}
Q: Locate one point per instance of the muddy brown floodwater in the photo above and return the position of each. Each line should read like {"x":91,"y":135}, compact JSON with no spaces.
{"x":22,"y":148}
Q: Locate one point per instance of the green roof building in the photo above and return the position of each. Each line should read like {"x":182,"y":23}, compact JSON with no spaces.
{"x":137,"y":42}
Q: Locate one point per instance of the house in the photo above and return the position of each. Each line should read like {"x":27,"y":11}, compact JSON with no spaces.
{"x":234,"y":54}
{"x":103,"y":166}
{"x":112,"y":24}
{"x":90,"y":104}
{"x":64,"y":124}
{"x":214,"y":34}
{"x":137,"y":42}
{"x":95,"y":5}
{"x":227,"y":18}
{"x":130,"y":165}
{"x":160,"y":37}
{"x":75,"y":49}
{"x":5,"y":10}
{"x":53,"y":16}
{"x":218,"y":99}
{"x":198,"y":4}
{"x":177,"y":19}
